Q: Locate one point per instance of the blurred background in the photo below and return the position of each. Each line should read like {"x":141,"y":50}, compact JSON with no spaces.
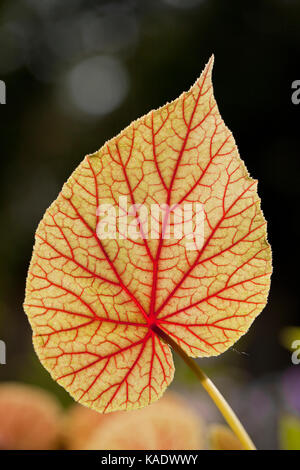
{"x":76,"y":73}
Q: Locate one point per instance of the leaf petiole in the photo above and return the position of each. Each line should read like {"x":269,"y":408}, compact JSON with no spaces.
{"x":212,"y":390}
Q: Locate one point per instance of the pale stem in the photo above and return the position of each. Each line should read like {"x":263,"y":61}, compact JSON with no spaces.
{"x":213,"y":392}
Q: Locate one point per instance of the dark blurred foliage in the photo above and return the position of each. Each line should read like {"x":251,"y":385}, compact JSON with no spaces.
{"x":128,"y":57}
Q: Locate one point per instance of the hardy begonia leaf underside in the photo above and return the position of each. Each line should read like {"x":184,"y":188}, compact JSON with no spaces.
{"x":94,"y":303}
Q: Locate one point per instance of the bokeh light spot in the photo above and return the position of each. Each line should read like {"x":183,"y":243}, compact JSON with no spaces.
{"x":183,"y":3}
{"x":98,"y":85}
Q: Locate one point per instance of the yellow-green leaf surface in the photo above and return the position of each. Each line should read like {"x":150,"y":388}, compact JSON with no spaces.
{"x":94,"y":304}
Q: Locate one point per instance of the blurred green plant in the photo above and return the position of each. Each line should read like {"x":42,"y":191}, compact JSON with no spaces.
{"x":288,"y":336}
{"x":289,"y":432}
